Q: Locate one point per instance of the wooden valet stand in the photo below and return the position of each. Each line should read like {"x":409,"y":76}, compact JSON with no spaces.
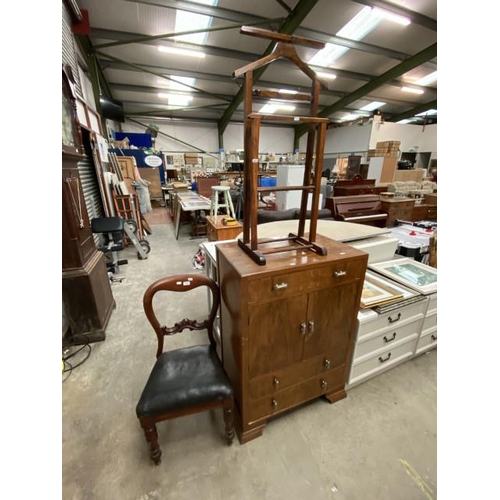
{"x":257,"y":248}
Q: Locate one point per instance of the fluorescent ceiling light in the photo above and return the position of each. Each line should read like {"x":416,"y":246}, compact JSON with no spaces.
{"x":326,"y":76}
{"x":177,"y":83}
{"x":384,"y":14}
{"x":348,"y":117}
{"x":176,"y":100}
{"x":372,"y":106}
{"x":272,"y":107}
{"x":427,"y":80}
{"x":182,"y":52}
{"x":406,"y":120}
{"x":357,"y":28}
{"x":412,"y":90}
{"x":428,"y":112}
{"x":286,"y":91}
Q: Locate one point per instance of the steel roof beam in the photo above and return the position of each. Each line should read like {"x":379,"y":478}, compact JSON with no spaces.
{"x":412,"y":112}
{"x":240,"y":55}
{"x":411,"y":63}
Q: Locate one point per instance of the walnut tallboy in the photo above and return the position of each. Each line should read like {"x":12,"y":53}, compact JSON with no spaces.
{"x":288,"y":328}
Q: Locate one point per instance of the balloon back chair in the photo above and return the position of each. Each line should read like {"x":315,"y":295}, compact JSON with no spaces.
{"x":186,"y":380}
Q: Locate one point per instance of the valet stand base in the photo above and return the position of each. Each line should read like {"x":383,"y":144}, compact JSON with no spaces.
{"x":259,"y":256}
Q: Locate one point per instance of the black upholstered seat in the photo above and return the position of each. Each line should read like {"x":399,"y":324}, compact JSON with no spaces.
{"x":187,"y":380}
{"x":181,"y":378}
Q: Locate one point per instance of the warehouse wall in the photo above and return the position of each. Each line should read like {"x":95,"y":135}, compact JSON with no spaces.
{"x":411,"y":136}
{"x":195,"y":136}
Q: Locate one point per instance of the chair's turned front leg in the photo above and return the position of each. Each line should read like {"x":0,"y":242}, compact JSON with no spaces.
{"x":229,"y":419}
{"x":149,"y":428}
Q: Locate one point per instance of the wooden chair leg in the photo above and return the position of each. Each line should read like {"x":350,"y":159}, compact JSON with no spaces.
{"x":149,"y":428}
{"x":229,"y":419}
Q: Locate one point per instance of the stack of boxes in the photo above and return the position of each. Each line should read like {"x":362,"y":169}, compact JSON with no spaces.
{"x":383,"y":161}
{"x":387,"y":149}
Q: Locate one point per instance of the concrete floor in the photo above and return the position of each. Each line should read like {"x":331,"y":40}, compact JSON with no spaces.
{"x":379,"y":443}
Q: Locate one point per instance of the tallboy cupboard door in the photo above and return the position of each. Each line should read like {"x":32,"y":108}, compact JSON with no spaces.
{"x":276,"y":339}
{"x":330,"y":321}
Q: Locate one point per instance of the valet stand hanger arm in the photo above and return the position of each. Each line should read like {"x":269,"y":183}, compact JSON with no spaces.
{"x":283,"y":49}
{"x":312,"y":179}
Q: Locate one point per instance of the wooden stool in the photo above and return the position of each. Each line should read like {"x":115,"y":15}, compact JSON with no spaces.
{"x":227,"y":205}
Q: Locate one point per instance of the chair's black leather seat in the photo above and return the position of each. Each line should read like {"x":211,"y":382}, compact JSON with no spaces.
{"x":183,"y":378}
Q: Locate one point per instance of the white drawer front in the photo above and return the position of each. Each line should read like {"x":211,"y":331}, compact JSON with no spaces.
{"x":427,"y":341}
{"x":381,"y":361}
{"x":430,"y":321}
{"x":393,"y":318}
{"x":386,"y":338}
{"x":432,"y":303}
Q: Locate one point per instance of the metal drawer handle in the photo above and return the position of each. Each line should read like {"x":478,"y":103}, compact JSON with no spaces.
{"x":276,"y":382}
{"x":327,"y":363}
{"x":275,"y":404}
{"x":280,"y":286}
{"x":324,"y":384}
{"x":433,"y":337}
{"x":382,"y":360}
{"x":340,"y":273}
{"x":303,"y":328}
{"x":394,"y":320}
{"x":311,"y":326}
{"x":386,"y":340}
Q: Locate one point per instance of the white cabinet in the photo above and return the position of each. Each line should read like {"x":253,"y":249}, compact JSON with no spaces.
{"x":292,"y":175}
{"x":387,"y":339}
{"x":428,"y":336}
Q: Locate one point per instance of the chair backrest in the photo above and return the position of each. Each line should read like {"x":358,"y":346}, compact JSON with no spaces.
{"x":181,"y":283}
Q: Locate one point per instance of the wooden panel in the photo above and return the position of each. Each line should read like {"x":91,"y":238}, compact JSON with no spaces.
{"x":127,"y":167}
{"x":389,"y":167}
{"x":153,"y":176}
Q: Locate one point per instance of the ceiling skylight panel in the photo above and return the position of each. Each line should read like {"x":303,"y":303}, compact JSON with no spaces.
{"x":357,"y":28}
{"x":188,"y":21}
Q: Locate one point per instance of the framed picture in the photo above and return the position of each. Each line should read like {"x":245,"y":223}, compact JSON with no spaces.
{"x":410,"y":273}
{"x":376,"y":292}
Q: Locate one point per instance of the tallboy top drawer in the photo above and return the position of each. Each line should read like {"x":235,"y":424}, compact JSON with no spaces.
{"x":291,"y":283}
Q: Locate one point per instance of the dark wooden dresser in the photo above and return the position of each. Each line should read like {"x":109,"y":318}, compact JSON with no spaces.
{"x":287,"y":328}
{"x":398,"y":208}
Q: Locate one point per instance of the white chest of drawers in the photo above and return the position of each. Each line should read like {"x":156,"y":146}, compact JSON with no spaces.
{"x":384,"y":340}
{"x":428,"y":335}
